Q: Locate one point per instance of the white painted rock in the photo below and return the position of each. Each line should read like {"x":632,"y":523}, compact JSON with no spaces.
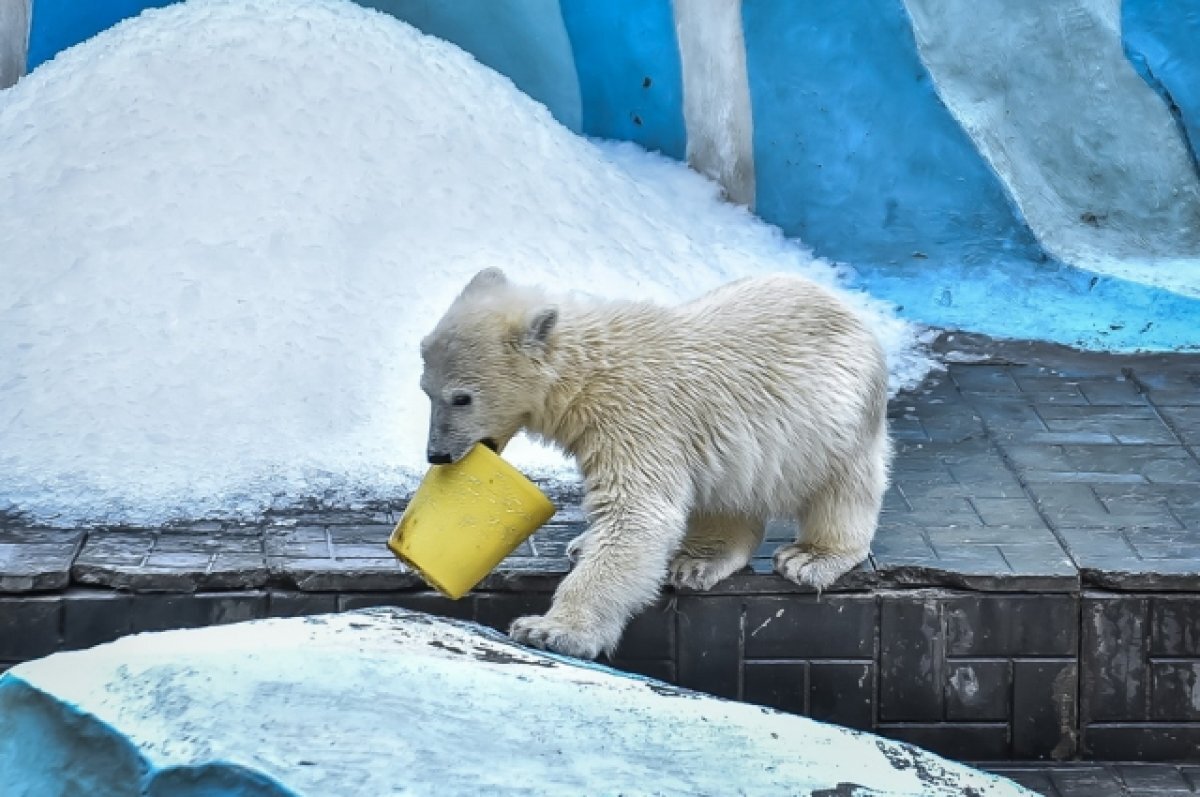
{"x":390,"y":702}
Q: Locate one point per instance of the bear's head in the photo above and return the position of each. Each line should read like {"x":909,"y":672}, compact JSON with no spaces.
{"x":485,"y":366}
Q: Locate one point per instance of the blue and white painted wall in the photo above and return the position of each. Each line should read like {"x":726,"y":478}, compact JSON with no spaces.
{"x":1023,"y":168}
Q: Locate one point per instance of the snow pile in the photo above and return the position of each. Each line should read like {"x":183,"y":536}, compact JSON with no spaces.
{"x":391,"y":702}
{"x":227,"y":223}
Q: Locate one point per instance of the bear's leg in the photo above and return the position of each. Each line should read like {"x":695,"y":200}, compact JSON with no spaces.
{"x":836,"y":529}
{"x":716,"y":547}
{"x":620,"y":571}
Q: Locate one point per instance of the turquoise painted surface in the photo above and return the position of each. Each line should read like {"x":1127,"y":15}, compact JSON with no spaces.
{"x":855,"y":153}
{"x":522,"y":39}
{"x":1162,"y":41}
{"x":630,"y":78}
{"x":1040,"y":301}
{"x":59,"y":24}
{"x":64,"y":753}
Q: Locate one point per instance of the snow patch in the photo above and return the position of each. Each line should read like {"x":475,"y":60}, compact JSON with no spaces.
{"x":386,"y":701}
{"x":227,"y":224}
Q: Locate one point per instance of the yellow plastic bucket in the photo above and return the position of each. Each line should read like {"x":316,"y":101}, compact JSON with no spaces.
{"x":465,"y":518}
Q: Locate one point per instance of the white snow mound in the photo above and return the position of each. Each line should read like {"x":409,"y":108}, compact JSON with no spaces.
{"x":226,"y":224}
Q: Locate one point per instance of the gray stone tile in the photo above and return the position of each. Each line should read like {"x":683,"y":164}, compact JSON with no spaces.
{"x":341,"y":575}
{"x":1129,"y":425}
{"x":984,"y":558}
{"x":156,"y":561}
{"x":1156,"y":779}
{"x":1108,"y":558}
{"x":1114,"y":391}
{"x":1087,"y":782}
{"x":36,"y":559}
{"x":1006,"y":415}
{"x":1007,"y":512}
{"x":1044,"y":458}
{"x":1184,"y":422}
{"x":1035,"y":780}
{"x":987,"y":379}
{"x":1164,"y":464}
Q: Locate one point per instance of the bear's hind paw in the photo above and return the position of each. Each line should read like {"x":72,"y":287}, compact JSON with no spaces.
{"x":814,"y":568}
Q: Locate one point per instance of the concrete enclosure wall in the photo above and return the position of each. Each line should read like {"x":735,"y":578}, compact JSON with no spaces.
{"x":1022,"y":168}
{"x":14,"y":40}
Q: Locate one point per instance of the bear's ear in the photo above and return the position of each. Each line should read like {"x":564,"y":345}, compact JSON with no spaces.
{"x":488,"y":278}
{"x":539,"y":327}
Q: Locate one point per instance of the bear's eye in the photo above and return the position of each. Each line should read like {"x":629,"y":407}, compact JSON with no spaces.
{"x":461,"y":399}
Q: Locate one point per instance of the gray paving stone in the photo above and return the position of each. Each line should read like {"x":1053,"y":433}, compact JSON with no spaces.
{"x":158,"y":561}
{"x":1087,"y":782}
{"x":1184,"y":422}
{"x":327,"y":574}
{"x":37,"y":559}
{"x":1111,"y":391}
{"x":1129,"y":425}
{"x":988,"y":379}
{"x":1160,"y":780}
{"x":982,"y":558}
{"x":1015,"y":415}
{"x":1111,"y":559}
{"x":1036,"y":780}
{"x":1016,"y":511}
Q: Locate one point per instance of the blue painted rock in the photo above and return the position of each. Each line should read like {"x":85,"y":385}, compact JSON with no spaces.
{"x":387,"y":701}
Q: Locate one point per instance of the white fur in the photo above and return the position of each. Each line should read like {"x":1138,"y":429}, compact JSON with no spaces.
{"x":691,"y":425}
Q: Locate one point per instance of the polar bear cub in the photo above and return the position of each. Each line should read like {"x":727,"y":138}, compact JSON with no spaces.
{"x":691,"y":425}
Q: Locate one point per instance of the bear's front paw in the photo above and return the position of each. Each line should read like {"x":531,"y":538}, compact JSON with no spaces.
{"x":815,"y":568}
{"x":548,"y":633}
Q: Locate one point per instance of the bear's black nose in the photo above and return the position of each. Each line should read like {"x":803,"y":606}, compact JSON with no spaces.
{"x":438,"y":458}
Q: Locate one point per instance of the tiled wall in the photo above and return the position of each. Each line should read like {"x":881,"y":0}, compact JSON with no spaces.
{"x":976,"y":676}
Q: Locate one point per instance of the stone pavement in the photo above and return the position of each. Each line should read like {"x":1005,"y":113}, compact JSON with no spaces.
{"x":1024,"y":466}
{"x":1033,"y":591}
{"x":1137,"y":780}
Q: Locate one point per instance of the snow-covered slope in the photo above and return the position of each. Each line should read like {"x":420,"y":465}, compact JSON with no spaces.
{"x":388,"y":702}
{"x":226,"y":224}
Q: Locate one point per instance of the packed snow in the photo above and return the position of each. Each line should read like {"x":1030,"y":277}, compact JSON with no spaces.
{"x":227,"y":223}
{"x":389,"y":702}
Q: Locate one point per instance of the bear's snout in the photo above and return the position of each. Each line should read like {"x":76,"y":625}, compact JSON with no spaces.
{"x":439,"y":458}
